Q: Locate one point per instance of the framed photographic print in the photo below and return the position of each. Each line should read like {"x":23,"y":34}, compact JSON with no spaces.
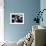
{"x":16,"y":18}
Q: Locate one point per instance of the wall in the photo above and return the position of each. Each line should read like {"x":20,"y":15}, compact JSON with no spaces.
{"x":43,"y":6}
{"x":1,"y":20}
{"x":29,"y":8}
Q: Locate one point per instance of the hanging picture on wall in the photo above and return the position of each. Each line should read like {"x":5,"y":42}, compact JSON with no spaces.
{"x":16,"y":18}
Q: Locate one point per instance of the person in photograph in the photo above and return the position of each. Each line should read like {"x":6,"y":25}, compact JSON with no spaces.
{"x":18,"y":19}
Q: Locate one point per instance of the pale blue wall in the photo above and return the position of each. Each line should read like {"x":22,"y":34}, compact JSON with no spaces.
{"x":43,"y":6}
{"x":15,"y":32}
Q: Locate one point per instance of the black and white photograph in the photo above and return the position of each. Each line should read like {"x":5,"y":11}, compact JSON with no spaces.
{"x":16,"y":18}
